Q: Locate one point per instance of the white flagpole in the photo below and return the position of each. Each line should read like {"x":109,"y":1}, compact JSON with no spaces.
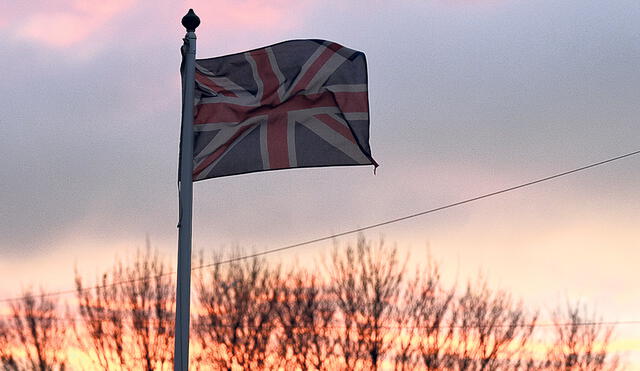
{"x":183,"y":286}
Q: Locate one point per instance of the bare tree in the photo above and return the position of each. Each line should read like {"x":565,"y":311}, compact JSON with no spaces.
{"x":128,"y":317}
{"x":305,"y":315}
{"x":492,"y":332}
{"x":149,"y":298}
{"x":366,"y":284}
{"x":37,"y":333}
{"x":362,"y":313}
{"x":236,"y":320}
{"x":102,"y":329}
{"x":429,"y":319}
{"x":581,"y":343}
{"x":7,"y":359}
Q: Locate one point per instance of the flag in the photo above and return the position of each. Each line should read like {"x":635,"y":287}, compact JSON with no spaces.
{"x":299,"y":103}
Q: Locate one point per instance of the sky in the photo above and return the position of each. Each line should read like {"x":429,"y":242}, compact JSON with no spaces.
{"x":466,"y":97}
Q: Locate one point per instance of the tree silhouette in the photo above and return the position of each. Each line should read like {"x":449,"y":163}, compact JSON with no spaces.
{"x":366,"y":284}
{"x":428,"y":322}
{"x":360,"y":312}
{"x":236,"y":321}
{"x":305,"y":315}
{"x":37,"y":332}
{"x":129,"y":326}
{"x":580,"y":343}
{"x":492,"y":332}
{"x":7,"y":360}
{"x":101,"y":331}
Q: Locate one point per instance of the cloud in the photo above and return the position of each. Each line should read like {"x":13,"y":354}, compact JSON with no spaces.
{"x":233,"y":25}
{"x":70,"y":23}
{"x":66,"y":24}
{"x":57,"y":30}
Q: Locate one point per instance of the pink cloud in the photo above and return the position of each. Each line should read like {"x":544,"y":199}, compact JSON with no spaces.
{"x":70,"y":23}
{"x":229,"y":26}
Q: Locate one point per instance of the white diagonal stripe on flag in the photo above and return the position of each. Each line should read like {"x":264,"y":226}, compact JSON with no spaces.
{"x":277,"y":72}
{"x":291,"y":141}
{"x":337,"y":140}
{"x":204,"y":173}
{"x":226,"y":133}
{"x":256,"y":76}
{"x":325,"y":72}
{"x":227,"y":85}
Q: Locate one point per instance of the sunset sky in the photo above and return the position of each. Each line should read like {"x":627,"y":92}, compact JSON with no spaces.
{"x":466,"y":96}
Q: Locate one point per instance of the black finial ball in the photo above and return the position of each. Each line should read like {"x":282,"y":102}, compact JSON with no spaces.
{"x":190,"y":21}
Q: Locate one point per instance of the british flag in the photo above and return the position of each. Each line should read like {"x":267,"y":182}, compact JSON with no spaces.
{"x":299,"y":103}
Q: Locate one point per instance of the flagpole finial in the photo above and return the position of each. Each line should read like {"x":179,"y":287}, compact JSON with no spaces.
{"x":190,"y":21}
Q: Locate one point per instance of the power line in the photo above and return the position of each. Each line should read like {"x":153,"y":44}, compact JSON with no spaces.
{"x":418,"y":214}
{"x":124,"y":318}
{"x":352,"y":231}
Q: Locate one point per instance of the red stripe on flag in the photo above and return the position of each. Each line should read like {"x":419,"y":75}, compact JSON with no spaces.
{"x":277,"y":145}
{"x":348,"y":102}
{"x":334,"y":46}
{"x":316,"y":66}
{"x":352,"y":102}
{"x":336,"y":126}
{"x":269,"y":79}
{"x":204,"y":80}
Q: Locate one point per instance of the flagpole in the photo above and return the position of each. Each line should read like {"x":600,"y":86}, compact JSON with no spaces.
{"x":183,"y":287}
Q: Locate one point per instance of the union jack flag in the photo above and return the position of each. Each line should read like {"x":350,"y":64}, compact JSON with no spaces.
{"x":299,"y":103}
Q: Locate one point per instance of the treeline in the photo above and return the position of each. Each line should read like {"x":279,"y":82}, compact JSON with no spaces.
{"x":362,"y":310}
